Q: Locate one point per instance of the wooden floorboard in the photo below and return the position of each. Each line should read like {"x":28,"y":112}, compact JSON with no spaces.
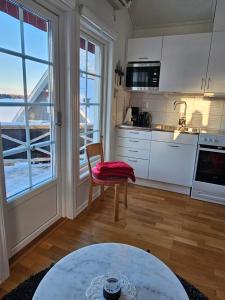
{"x":188,"y":235}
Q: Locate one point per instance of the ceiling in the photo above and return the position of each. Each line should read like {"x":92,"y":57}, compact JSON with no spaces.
{"x":159,"y":13}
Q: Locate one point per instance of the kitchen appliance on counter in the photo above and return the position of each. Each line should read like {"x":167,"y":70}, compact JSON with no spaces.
{"x":144,"y":119}
{"x":143,"y":76}
{"x":209,"y":177}
{"x":132,"y":115}
{"x":136,"y":118}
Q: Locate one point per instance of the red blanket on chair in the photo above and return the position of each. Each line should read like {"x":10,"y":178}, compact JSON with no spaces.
{"x":107,"y":170}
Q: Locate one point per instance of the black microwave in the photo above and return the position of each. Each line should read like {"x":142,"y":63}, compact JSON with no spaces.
{"x":143,"y":76}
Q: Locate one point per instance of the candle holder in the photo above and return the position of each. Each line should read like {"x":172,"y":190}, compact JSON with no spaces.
{"x":112,"y":288}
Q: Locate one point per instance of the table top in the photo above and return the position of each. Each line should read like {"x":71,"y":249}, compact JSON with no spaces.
{"x":72,"y":275}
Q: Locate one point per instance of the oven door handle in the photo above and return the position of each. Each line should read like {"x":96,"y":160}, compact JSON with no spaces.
{"x":211,"y":150}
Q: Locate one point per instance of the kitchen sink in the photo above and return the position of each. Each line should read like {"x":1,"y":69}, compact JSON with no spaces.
{"x":171,"y":128}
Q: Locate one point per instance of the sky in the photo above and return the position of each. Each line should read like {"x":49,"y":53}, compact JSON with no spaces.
{"x":10,"y":66}
{"x":36,"y":45}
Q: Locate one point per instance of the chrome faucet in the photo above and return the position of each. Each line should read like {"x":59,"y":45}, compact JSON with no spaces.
{"x":182,"y":120}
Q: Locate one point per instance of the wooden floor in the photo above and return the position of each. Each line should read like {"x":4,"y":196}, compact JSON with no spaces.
{"x":188,"y":235}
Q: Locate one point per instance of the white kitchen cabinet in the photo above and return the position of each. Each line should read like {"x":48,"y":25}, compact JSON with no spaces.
{"x":134,"y":153}
{"x":140,"y":166}
{"x":136,"y":134}
{"x":133,"y":143}
{"x":184,"y":63}
{"x":133,"y":147}
{"x":144,"y":49}
{"x":216,"y":69}
{"x":175,"y":137}
{"x":172,"y":163}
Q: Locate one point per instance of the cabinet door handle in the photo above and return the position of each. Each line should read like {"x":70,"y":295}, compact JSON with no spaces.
{"x":132,"y":160}
{"x":143,"y":58}
{"x":133,"y":132}
{"x":132,"y":141}
{"x":135,"y":151}
{"x":174,"y":146}
{"x":208,"y":83}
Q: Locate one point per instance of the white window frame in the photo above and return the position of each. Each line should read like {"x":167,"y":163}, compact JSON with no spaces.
{"x":53,"y":34}
{"x":96,"y":38}
{"x":92,"y":39}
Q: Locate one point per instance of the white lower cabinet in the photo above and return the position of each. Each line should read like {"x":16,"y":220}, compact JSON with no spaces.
{"x":133,"y":147}
{"x":140,"y":166}
{"x":172,"y":163}
{"x":160,"y":156}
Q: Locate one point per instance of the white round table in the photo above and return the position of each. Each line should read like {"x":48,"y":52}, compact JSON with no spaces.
{"x":72,"y":275}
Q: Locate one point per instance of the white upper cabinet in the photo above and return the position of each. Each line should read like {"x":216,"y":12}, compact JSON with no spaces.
{"x":219,"y":22}
{"x":216,"y":71}
{"x":184,"y":63}
{"x":144,"y":49}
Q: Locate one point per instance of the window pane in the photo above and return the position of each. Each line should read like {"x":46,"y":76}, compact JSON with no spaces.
{"x":14,"y":145}
{"x":83,"y":118}
{"x":82,"y":88}
{"x":37,"y":82}
{"x":10,"y":31}
{"x":13,"y":126}
{"x":93,"y":89}
{"x":35,"y":36}
{"x":11,"y":79}
{"x":93,"y":117}
{"x":93,"y":137}
{"x":39,"y":123}
{"x":94,"y":59}
{"x":16,"y":169}
{"x":83,"y":54}
{"x":42,"y":164}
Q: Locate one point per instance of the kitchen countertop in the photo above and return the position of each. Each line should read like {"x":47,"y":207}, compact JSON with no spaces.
{"x":160,"y":127}
{"x":170,"y":128}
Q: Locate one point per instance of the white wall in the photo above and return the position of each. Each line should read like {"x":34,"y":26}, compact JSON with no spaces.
{"x":122,"y":25}
{"x":201,"y":112}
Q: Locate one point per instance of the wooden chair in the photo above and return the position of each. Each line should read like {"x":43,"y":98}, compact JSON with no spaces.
{"x":94,"y":150}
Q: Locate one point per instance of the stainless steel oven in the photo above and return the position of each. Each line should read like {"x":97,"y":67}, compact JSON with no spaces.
{"x":209,"y":178}
{"x":143,"y":76}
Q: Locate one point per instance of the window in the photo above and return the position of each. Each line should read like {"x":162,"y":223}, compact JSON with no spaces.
{"x":90,"y":93}
{"x":26,"y":98}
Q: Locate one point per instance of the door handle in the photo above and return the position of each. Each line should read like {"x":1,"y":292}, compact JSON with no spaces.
{"x":59,"y":119}
{"x":135,"y":151}
{"x":143,"y":58}
{"x":132,"y":160}
{"x":133,"y":141}
{"x":133,"y":132}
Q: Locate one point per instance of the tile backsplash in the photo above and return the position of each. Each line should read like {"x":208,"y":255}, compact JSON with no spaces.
{"x":201,"y":112}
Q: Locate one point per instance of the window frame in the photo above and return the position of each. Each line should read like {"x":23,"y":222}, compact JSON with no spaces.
{"x":53,"y":103}
{"x":95,"y":39}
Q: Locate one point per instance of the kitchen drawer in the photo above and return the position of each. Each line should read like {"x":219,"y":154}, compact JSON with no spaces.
{"x":140,"y":166}
{"x":136,"y":134}
{"x":131,"y":152}
{"x":133,"y":143}
{"x":175,"y":137}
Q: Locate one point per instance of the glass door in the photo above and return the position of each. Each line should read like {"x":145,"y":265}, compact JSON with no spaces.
{"x":27,"y":98}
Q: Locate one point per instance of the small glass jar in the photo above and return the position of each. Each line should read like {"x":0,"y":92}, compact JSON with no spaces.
{"x":112,"y":287}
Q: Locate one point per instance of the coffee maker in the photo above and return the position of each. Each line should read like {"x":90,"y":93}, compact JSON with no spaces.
{"x":132,"y":116}
{"x":144,"y":119}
